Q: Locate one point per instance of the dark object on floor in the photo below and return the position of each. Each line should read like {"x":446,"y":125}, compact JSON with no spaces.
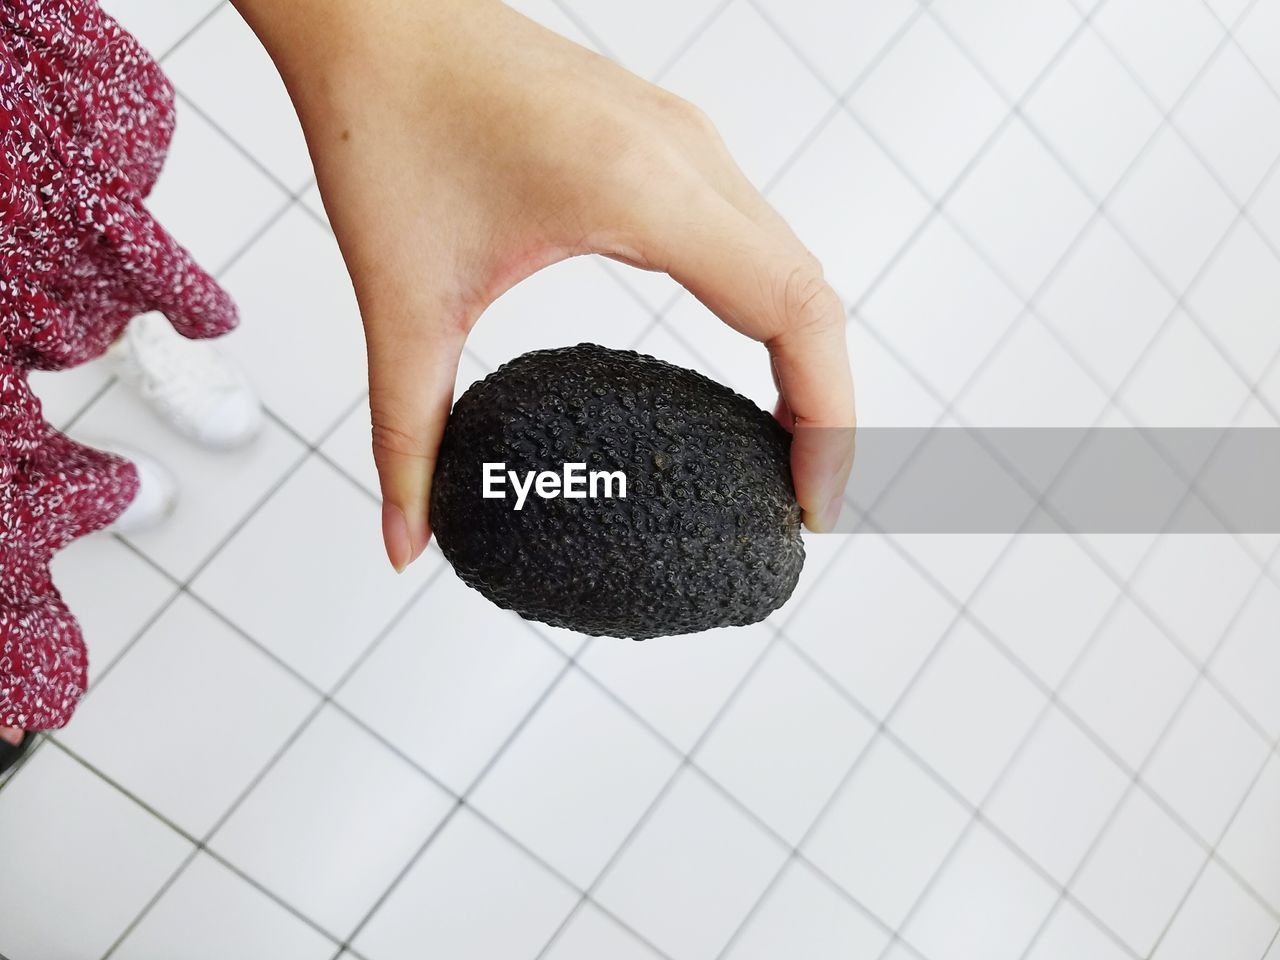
{"x":10,"y":755}
{"x":708,"y":534}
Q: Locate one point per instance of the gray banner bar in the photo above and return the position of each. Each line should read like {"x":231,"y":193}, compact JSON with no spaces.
{"x":1087,"y":480}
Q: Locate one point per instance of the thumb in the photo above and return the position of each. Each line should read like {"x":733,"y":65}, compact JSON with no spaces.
{"x":411,"y":377}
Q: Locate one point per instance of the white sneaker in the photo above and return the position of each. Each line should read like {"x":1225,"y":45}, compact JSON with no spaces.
{"x":157,"y":491}
{"x":190,"y":384}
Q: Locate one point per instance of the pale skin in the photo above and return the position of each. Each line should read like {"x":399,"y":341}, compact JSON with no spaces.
{"x":460,"y":147}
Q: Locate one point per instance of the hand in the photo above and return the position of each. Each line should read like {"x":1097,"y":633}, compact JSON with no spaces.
{"x":460,"y":147}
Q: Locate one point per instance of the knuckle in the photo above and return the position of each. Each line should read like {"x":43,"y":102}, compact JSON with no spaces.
{"x":686,"y":114}
{"x":808,"y":302}
{"x":394,"y":439}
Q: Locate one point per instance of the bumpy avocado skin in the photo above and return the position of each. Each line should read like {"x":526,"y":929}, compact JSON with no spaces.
{"x":707,"y":536}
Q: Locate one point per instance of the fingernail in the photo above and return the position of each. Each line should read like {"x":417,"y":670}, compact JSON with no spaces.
{"x":832,"y":513}
{"x":426,"y":539}
{"x":395,"y":534}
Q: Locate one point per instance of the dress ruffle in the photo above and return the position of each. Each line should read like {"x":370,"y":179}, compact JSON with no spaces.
{"x":85,"y":119}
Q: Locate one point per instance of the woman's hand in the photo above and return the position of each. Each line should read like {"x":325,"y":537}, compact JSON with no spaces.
{"x":460,"y":147}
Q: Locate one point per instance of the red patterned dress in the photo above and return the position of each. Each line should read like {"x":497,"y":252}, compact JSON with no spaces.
{"x":85,"y":119}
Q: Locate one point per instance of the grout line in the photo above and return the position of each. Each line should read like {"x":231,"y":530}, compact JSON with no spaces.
{"x":198,"y":846}
{"x":763,"y":653}
{"x":84,"y":407}
{"x":256,"y":235}
{"x":1029,"y":90}
{"x":585,"y":28}
{"x":1215,"y":857}
{"x":324,"y":699}
{"x":688,"y":761}
{"x":191,"y":32}
{"x":1271,"y":946}
{"x":645,"y":817}
{"x":240,"y":148}
{"x":691,"y":40}
{"x":184,"y":588}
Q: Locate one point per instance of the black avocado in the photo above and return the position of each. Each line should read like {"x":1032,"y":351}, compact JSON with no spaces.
{"x":708,"y":534}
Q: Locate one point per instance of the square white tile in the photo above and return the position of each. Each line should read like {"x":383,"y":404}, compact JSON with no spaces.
{"x":158,"y":26}
{"x":1092,"y":112}
{"x":654,"y":289}
{"x":942,"y":307}
{"x":1013,"y":40}
{"x":111,"y":610}
{"x":350,"y":447}
{"x":1021,"y":207}
{"x":850,"y":205}
{"x":450,"y":682}
{"x":820,"y":552}
{"x":785,"y":743}
{"x":186,"y":753}
{"x":1057,"y":796}
{"x":643,"y":39}
{"x":1105,"y":303}
{"x":592,"y":934}
{"x":210,"y":196}
{"x":1250,"y":845}
{"x":574,"y":301}
{"x":1172,"y":209}
{"x":968,"y":712}
{"x":576,"y":779}
{"x":327,"y":599}
{"x":250,"y":102}
{"x":300,"y":338}
{"x":746,"y":78}
{"x":957,"y":564}
{"x":75,"y":896}
{"x":983,"y":881}
{"x":1128,"y":686}
{"x":1220,"y":918}
{"x":841,"y":41}
{"x":216,"y":490}
{"x":64,"y":394}
{"x":696,"y":856}
{"x":1250,"y":658}
{"x":888,"y":391}
{"x":1166,"y":54}
{"x":1032,"y":381}
{"x":472,"y":894}
{"x":678,"y":684}
{"x":1045,"y":600}
{"x":1241,"y":143}
{"x":332,"y":823}
{"x":1139,"y":873}
{"x":1196,"y":584}
{"x":929,"y":105}
{"x":1228,"y":11}
{"x":1236,"y":295}
{"x":1258,"y":34}
{"x":210,"y":913}
{"x":871,"y":622}
{"x":1070,"y":935}
{"x":802,"y":916}
{"x":887,"y":833}
{"x":1183,"y":381}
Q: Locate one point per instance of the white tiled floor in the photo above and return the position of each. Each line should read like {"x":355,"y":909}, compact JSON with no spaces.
{"x":965,"y":748}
